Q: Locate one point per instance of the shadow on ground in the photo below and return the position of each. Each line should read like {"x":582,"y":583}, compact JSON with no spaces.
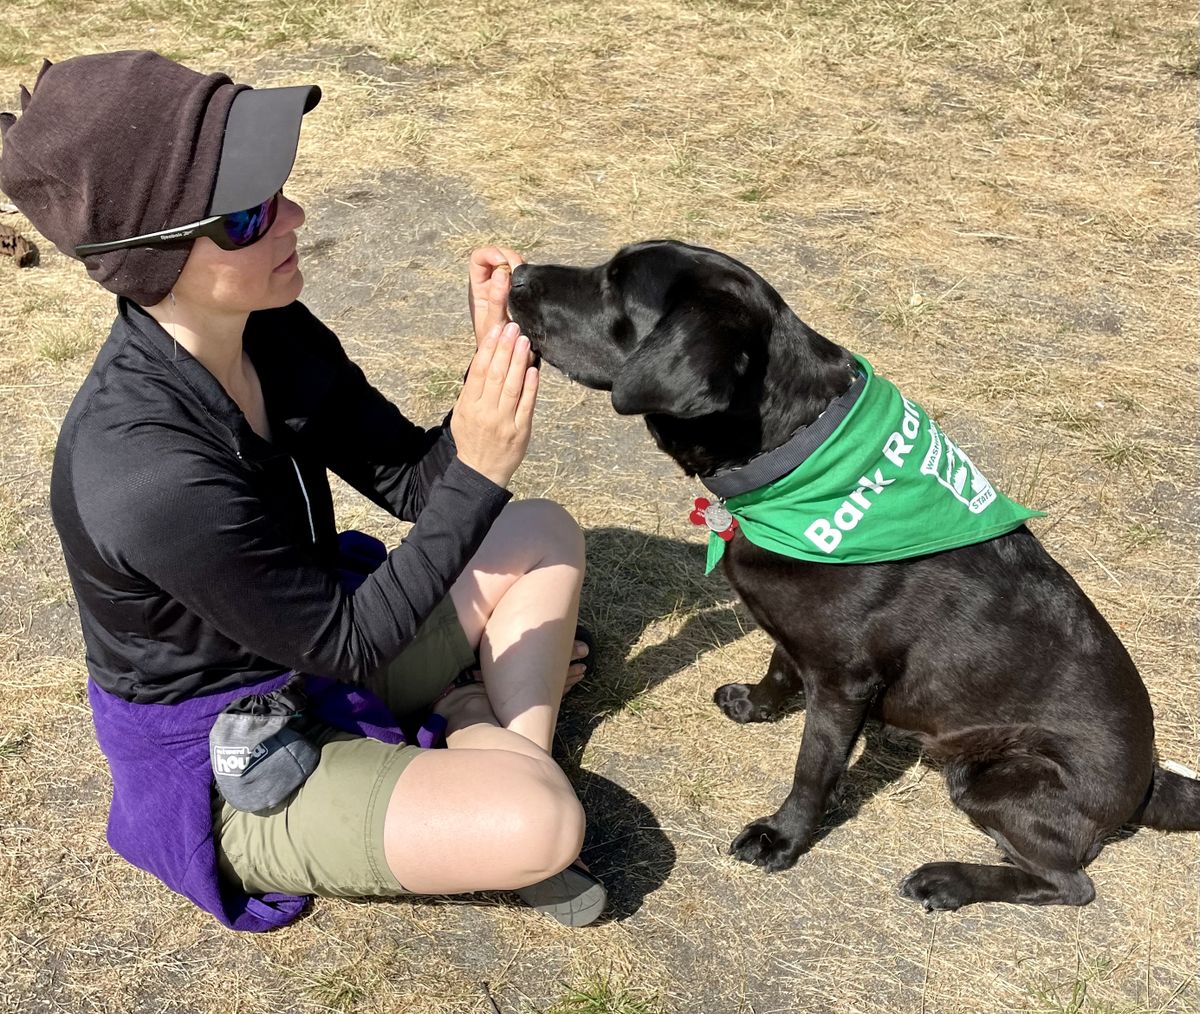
{"x":636,"y":580}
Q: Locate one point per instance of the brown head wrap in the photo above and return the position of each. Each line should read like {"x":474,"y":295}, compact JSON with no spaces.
{"x":116,"y":145}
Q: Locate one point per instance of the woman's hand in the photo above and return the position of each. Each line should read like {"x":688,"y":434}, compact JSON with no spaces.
{"x":487,"y":291}
{"x":493,"y":417}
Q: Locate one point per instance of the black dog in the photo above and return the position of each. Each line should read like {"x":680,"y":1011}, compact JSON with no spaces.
{"x":991,"y":653}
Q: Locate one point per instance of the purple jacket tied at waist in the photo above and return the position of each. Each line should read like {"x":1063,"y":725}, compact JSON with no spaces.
{"x":161,"y":815}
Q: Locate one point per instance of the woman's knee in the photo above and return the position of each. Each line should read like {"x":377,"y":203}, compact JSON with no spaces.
{"x":553,"y":527}
{"x":548,"y":820}
{"x":481,"y":820}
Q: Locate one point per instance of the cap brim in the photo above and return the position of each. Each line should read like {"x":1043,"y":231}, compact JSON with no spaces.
{"x":261,"y":134}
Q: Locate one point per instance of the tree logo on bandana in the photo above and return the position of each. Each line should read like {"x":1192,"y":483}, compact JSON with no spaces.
{"x":947,"y":463}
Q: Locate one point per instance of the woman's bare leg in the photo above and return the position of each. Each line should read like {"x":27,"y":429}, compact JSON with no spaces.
{"x":518,"y":601}
{"x":494,"y":812}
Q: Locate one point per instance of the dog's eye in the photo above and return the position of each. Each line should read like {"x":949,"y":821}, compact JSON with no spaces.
{"x":609,"y":283}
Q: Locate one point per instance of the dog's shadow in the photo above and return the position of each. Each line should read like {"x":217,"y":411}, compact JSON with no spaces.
{"x":887,"y":754}
{"x":635,"y":580}
{"x":885,"y":758}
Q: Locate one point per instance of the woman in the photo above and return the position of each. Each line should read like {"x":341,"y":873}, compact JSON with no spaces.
{"x":191,"y":497}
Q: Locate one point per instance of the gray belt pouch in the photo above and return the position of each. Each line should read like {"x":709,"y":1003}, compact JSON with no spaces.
{"x":259,"y":749}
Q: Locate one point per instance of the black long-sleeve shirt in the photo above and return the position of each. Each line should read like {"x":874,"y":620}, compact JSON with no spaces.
{"x":204,"y":557}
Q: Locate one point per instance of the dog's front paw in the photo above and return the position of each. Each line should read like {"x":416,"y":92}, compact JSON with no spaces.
{"x":762,"y":843}
{"x":938,"y":887}
{"x":734,"y":699}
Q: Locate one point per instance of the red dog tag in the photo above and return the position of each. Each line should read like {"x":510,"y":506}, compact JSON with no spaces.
{"x":715,"y":517}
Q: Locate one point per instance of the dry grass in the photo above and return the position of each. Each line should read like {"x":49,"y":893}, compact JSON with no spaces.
{"x":994,"y":201}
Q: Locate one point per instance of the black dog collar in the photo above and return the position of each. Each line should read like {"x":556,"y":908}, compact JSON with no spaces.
{"x":788,"y":456}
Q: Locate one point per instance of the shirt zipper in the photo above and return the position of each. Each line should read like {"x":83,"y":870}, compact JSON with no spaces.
{"x":307,"y":505}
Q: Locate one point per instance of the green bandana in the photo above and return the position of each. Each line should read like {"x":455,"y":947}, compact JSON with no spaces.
{"x":887,"y":484}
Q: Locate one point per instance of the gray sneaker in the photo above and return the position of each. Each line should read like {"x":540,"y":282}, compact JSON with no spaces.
{"x":574,"y":897}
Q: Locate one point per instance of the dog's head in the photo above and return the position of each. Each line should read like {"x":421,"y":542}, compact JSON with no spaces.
{"x":667,"y":327}
{"x":691,"y":338}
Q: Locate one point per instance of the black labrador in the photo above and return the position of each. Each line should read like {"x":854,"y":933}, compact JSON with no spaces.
{"x":990,"y":653}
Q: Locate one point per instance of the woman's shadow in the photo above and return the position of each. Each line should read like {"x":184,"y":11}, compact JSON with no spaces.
{"x":635,"y":579}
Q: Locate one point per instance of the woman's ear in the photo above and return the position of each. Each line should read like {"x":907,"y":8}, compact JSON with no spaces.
{"x":691,"y":363}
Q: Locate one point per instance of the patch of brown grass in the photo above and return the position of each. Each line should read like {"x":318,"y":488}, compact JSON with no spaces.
{"x":993,"y":201}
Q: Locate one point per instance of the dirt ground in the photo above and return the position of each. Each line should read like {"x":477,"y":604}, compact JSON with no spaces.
{"x":994,"y":202}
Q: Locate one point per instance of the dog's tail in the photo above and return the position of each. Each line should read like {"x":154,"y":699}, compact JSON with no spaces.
{"x":1173,"y":802}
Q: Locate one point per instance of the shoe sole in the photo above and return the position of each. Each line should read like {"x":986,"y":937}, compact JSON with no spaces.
{"x":572,"y":897}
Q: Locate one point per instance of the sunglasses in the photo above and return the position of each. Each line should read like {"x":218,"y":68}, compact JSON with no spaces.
{"x":233,"y":231}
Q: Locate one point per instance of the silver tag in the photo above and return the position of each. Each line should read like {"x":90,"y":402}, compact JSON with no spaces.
{"x":717,"y":518}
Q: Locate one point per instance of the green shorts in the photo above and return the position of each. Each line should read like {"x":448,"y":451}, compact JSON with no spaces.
{"x":328,"y":837}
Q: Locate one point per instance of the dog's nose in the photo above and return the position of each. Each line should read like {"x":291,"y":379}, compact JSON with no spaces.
{"x":520,"y":276}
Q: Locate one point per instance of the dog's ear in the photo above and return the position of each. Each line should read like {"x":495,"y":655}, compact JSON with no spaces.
{"x":692,"y":361}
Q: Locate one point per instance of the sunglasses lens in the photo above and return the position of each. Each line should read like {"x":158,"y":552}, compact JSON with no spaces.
{"x":244,"y":227}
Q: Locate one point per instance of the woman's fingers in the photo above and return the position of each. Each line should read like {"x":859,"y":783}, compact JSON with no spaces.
{"x":497,"y":372}
{"x":493,"y":416}
{"x":481,"y":363}
{"x":514,"y":380}
{"x":511,"y":256}
{"x":486,"y":259}
{"x":490,"y":277}
{"x":525,"y":407}
{"x":495,"y":295}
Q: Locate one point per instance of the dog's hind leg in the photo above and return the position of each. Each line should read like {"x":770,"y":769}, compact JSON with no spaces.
{"x":948,"y":886}
{"x":1023,"y":803}
{"x":765,"y":700}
